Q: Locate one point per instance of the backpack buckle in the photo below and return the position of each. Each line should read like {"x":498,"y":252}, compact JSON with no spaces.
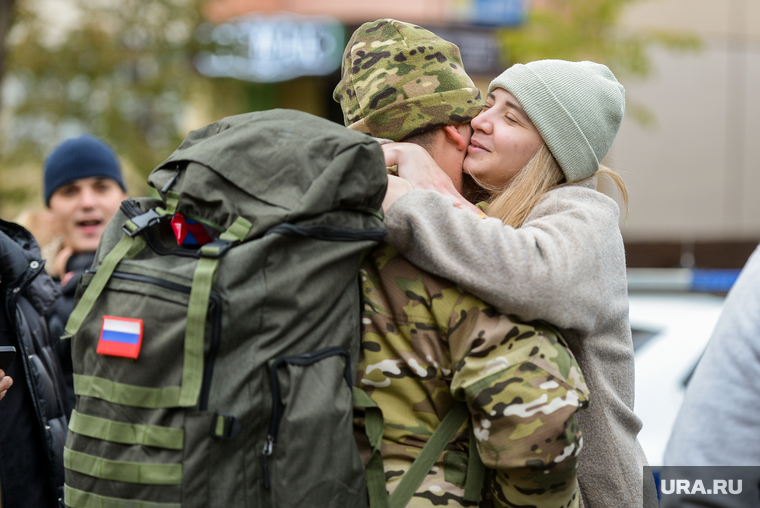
{"x":136,"y":225}
{"x":217,"y":248}
{"x":225,"y":426}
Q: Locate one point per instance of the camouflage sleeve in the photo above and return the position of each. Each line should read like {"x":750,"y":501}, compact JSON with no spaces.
{"x":523,"y":386}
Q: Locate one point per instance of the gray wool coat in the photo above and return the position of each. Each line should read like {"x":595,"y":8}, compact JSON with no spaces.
{"x":566,"y":266}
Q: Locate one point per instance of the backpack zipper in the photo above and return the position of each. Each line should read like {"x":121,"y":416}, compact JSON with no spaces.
{"x":277,"y":405}
{"x":328,"y":233}
{"x":216,"y":325}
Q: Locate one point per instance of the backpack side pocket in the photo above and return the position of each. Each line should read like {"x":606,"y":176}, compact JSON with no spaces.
{"x":312,"y":396}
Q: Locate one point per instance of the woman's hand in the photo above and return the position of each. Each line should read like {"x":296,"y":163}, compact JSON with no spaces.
{"x":396,"y":188}
{"x":5,"y":383}
{"x":416,"y":166}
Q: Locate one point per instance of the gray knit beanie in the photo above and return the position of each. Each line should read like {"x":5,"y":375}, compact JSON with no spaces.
{"x":576,"y":106}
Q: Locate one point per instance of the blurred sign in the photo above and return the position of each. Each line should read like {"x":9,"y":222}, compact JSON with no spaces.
{"x":270,"y":49}
{"x":478,"y":46}
{"x":491,"y":12}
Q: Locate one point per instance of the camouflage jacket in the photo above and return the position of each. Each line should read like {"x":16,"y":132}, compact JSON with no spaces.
{"x":425,"y":345}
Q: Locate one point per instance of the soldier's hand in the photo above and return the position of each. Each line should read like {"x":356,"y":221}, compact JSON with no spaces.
{"x":5,"y":383}
{"x":416,"y":166}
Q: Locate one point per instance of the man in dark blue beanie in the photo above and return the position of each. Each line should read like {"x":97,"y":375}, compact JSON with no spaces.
{"x":75,"y":159}
{"x":83,"y":188}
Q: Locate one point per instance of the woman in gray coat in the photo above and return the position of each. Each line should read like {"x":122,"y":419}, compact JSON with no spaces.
{"x":551,"y":248}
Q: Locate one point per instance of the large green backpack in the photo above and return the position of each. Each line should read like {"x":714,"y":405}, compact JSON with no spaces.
{"x":222,"y":376}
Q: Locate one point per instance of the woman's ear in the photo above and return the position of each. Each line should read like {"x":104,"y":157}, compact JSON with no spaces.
{"x":458,"y":134}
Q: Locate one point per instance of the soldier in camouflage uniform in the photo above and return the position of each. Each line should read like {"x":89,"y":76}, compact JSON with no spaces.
{"x":427,"y":344}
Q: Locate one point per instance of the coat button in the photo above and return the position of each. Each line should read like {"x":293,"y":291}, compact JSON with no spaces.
{"x":34,"y":265}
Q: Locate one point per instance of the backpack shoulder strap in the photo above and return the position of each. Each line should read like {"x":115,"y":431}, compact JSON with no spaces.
{"x":414,"y":477}
{"x":373,"y":426}
{"x":476,"y":471}
{"x":421,"y":466}
{"x":126,"y":244}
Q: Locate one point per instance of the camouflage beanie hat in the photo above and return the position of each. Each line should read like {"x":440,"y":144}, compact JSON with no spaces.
{"x":576,"y":106}
{"x":399,"y":79}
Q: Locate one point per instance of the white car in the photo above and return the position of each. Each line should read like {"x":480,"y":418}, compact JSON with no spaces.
{"x":670,"y":330}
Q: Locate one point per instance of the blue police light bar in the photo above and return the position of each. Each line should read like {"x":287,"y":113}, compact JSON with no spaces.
{"x":682,"y":280}
{"x":714,"y":281}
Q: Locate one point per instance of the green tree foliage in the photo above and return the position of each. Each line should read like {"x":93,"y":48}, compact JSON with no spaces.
{"x":7,"y":9}
{"x":119,"y":70}
{"x":591,"y":30}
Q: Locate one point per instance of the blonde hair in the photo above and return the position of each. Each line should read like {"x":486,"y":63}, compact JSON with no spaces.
{"x":513,"y":203}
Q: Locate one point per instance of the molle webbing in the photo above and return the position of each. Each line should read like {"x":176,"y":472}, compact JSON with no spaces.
{"x":79,"y":499}
{"x":127,"y":433}
{"x":122,"y":471}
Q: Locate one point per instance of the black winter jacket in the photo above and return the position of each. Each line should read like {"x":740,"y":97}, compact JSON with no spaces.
{"x":58,"y":315}
{"x":27,"y":295}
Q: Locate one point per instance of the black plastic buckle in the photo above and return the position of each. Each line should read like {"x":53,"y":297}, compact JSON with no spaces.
{"x":143,"y":222}
{"x":222,"y":245}
{"x":231,"y":427}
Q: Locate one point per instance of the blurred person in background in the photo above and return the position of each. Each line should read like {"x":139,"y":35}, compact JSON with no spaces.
{"x":717,"y":424}
{"x":34,"y":410}
{"x":83,"y":187}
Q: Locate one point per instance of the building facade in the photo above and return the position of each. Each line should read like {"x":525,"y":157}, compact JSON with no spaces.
{"x":692,"y":174}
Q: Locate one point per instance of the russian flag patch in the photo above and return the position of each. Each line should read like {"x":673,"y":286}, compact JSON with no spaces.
{"x":120,"y":337}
